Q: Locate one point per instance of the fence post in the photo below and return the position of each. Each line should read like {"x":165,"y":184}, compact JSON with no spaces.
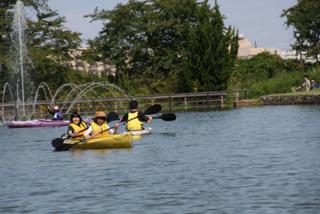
{"x":208,"y":101}
{"x":222,"y":101}
{"x":170,"y":105}
{"x":93,"y":105}
{"x":115,"y":106}
{"x":236,"y":99}
{"x":185,"y":104}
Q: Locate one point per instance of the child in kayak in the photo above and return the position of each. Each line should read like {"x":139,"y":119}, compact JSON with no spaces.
{"x":135,"y":118}
{"x":77,"y":126}
{"x":99,"y":126}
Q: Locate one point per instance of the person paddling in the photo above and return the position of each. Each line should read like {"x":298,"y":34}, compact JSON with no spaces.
{"x":77,"y":126}
{"x":99,"y":126}
{"x":135,"y":118}
{"x":55,"y":112}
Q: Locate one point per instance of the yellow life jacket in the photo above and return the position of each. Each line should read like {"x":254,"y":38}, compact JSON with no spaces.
{"x":96,"y":129}
{"x":134,"y":124}
{"x":79,"y":128}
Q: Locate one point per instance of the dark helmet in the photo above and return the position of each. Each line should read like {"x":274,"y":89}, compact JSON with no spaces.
{"x":133,"y":104}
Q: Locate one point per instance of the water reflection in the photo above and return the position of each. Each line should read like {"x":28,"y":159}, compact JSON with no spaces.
{"x":95,"y":152}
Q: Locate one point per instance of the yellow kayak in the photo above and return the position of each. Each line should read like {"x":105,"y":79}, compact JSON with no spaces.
{"x":116,"y":141}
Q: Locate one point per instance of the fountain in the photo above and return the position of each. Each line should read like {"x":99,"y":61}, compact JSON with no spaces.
{"x":19,"y":58}
{"x":74,"y":96}
{"x":76,"y":90}
{"x":22,"y":92}
{"x":5,"y":87}
{"x":90,"y":87}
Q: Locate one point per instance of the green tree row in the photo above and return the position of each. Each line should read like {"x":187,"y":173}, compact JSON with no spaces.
{"x":156,"y":46}
{"x":270,"y":74}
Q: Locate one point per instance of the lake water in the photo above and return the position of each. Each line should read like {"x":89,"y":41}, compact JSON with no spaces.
{"x":247,"y":160}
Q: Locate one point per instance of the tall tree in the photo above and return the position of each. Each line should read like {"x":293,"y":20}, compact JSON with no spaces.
{"x":167,"y":45}
{"x":50,"y":48}
{"x":212,"y":50}
{"x":304,"y":17}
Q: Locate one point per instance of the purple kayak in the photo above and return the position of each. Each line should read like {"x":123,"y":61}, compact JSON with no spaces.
{"x":37,"y":123}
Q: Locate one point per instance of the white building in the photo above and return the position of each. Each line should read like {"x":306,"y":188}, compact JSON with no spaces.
{"x":247,"y":51}
{"x":95,"y":68}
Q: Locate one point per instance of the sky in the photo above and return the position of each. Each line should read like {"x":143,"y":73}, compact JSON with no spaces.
{"x":257,"y":20}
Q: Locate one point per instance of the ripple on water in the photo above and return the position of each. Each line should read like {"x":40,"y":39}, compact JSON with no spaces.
{"x":248,"y":160}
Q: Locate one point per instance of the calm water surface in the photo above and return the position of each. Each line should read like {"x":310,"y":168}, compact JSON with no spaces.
{"x":248,"y":160}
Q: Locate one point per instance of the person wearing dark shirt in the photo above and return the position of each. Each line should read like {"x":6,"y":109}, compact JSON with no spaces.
{"x":55,"y":112}
{"x":314,"y":85}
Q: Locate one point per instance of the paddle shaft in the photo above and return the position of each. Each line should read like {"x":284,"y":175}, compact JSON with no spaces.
{"x":163,"y":117}
{"x":79,"y":132}
{"x":151,"y":110}
{"x":114,"y":126}
{"x":103,"y":131}
{"x":111,"y":117}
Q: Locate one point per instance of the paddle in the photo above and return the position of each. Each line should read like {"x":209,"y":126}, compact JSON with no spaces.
{"x":112,"y":116}
{"x":166,"y":117}
{"x":156,"y":108}
{"x":151,"y":110}
{"x":58,"y":144}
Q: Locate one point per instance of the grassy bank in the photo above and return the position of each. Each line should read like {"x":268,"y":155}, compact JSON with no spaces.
{"x":269,"y":74}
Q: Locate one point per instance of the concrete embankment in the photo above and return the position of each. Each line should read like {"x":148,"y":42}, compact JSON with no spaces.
{"x":291,"y":99}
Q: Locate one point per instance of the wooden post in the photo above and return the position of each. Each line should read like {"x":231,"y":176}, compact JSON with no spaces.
{"x":208,"y":101}
{"x":93,"y":105}
{"x":236,"y":99}
{"x":185,"y":104}
{"x":115,"y":106}
{"x":170,"y":105}
{"x":221,"y":101}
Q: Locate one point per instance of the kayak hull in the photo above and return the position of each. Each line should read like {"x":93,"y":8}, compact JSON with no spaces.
{"x":137,"y":135}
{"x":117,"y":141}
{"x":37,"y":123}
{"x":145,"y":131}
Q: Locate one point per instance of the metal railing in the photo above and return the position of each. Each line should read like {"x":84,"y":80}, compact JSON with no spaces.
{"x":200,"y":101}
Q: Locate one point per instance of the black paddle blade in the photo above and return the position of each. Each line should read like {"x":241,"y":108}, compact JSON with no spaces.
{"x":64,"y":147}
{"x":57,"y":143}
{"x":156,"y":108}
{"x":112,"y":116}
{"x":168,"y":117}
